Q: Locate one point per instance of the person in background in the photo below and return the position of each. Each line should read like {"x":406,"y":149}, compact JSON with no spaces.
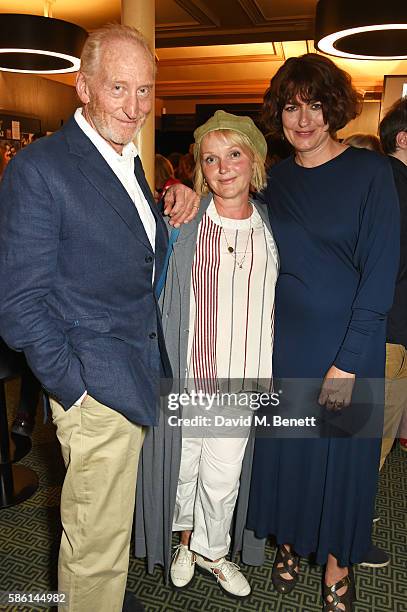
{"x":277,"y":149}
{"x":186,"y":169}
{"x":2,"y":160}
{"x":163,"y":176}
{"x":174,"y":159}
{"x":393,"y":137}
{"x":364,"y":141}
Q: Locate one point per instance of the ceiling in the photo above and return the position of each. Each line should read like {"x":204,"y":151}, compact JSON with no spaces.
{"x":190,"y":22}
{"x":214,"y":49}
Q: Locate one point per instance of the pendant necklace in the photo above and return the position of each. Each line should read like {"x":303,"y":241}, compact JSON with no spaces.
{"x":231,"y":250}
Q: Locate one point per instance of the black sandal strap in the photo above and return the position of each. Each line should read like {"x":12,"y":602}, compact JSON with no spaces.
{"x":284,"y":556}
{"x":345,"y":598}
{"x":289,"y":564}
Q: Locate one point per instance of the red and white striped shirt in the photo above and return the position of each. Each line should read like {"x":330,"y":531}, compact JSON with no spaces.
{"x":232,"y":303}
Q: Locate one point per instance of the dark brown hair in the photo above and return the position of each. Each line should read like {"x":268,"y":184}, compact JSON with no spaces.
{"x":394,"y":121}
{"x":310,"y":78}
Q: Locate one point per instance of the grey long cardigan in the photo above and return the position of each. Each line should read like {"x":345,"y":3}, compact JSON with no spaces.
{"x":161,"y":454}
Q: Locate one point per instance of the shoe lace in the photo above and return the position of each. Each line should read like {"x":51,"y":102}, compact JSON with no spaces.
{"x":183,"y":555}
{"x":227,"y":569}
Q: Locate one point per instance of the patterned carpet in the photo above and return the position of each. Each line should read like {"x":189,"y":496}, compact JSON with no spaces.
{"x":29,"y":535}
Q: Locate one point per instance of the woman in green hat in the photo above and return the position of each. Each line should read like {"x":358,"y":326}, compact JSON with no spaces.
{"x":217,"y":304}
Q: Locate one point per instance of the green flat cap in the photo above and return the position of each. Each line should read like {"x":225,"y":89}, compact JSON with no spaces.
{"x":226,"y":121}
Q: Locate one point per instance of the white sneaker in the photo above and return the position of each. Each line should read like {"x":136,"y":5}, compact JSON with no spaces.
{"x":182,"y":566}
{"x":227,"y":574}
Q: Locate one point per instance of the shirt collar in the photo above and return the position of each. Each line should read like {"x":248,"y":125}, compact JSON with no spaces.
{"x":105,"y":149}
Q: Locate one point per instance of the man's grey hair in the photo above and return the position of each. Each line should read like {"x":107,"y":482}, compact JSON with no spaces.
{"x":93,"y":48}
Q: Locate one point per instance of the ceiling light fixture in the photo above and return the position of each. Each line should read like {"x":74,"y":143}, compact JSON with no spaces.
{"x":39,"y":45}
{"x":362,"y":29}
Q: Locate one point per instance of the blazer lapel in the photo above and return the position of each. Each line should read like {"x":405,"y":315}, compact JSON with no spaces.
{"x":98,"y":172}
{"x":142,"y":181}
{"x":161,"y":234}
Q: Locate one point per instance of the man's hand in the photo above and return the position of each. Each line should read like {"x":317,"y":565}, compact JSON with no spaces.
{"x":181,"y":204}
{"x":336,"y":390}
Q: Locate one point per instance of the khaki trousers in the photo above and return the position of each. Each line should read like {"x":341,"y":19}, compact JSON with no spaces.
{"x":395,"y":397}
{"x":101,"y":449}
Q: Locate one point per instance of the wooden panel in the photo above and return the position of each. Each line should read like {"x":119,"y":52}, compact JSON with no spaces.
{"x":34,"y":96}
{"x":191,"y":89}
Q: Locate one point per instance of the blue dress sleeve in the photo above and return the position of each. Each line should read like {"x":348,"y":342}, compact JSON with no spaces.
{"x":377,"y":259}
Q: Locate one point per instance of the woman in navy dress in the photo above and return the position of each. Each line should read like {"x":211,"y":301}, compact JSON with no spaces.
{"x":334,"y":214}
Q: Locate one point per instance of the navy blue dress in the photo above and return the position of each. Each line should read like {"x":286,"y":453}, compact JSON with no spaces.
{"x":337,"y":230}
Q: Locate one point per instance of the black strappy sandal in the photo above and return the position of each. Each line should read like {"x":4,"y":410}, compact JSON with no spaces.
{"x":290,"y":565}
{"x":347,"y":599}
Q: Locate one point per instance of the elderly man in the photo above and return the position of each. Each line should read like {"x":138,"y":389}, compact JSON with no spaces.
{"x":81,"y":248}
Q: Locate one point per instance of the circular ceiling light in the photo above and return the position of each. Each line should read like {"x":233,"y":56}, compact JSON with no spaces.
{"x":39,"y":45}
{"x":360,"y":29}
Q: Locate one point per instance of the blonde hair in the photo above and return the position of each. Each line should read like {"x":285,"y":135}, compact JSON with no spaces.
{"x":364,"y":141}
{"x":258,"y":180}
{"x":93,"y":47}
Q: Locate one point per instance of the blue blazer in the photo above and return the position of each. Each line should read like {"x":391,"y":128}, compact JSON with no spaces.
{"x":76,"y":271}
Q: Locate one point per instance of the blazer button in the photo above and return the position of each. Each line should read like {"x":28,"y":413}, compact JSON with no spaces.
{"x":148,"y":259}
{"x":152,"y":335}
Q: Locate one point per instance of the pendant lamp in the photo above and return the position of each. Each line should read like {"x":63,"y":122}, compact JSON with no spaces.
{"x":362,"y":29}
{"x":36,"y":44}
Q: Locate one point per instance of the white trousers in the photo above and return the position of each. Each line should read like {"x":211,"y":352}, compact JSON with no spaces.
{"x":208,"y":485}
